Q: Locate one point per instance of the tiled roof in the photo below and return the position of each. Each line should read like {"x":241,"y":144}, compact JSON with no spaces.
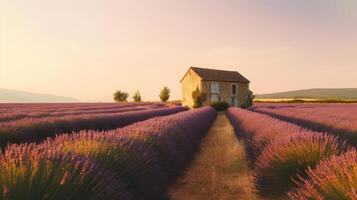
{"x":219,"y":75}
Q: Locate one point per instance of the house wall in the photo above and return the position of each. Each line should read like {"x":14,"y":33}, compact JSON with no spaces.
{"x":225,"y":89}
{"x":243,"y":93}
{"x":188,"y":84}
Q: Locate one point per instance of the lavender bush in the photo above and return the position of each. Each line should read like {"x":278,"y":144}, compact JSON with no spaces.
{"x":281,"y":151}
{"x":28,"y":172}
{"x":283,"y":160}
{"x":334,"y":179}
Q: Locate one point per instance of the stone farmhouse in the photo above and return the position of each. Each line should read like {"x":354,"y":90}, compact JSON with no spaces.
{"x":217,"y":85}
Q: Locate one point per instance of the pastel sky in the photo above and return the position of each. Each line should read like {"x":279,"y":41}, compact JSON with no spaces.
{"x":87,"y":49}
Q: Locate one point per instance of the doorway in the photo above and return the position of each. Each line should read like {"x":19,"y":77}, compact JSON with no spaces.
{"x":234,"y":101}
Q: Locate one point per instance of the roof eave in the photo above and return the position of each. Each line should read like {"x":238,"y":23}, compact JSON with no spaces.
{"x":226,"y":81}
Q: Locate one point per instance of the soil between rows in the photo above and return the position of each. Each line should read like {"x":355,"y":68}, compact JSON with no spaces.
{"x":219,"y":170}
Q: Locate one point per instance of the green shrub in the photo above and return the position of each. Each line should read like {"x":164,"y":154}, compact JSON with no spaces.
{"x":164,"y":94}
{"x":220,"y":105}
{"x":198,"y":98}
{"x":249,"y":101}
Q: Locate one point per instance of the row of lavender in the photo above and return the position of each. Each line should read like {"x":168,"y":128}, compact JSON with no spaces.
{"x":44,"y":107}
{"x":38,"y":129}
{"x":135,"y":162}
{"x":290,"y":160}
{"x":58,"y":110}
{"x":10,"y":107}
{"x":338,"y":119}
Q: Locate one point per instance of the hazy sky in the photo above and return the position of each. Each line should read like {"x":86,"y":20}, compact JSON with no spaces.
{"x":87,"y":49}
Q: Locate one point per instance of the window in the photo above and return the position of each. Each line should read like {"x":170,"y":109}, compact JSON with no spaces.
{"x":234,"y":89}
{"x":214,"y":98}
{"x":214,"y":87}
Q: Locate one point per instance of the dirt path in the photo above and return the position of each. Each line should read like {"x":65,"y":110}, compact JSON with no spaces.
{"x":219,"y":171}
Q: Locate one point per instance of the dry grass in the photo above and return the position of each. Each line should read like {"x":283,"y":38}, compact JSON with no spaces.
{"x":220,"y":169}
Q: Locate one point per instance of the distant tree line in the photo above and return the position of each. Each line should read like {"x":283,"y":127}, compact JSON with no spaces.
{"x":122,"y":96}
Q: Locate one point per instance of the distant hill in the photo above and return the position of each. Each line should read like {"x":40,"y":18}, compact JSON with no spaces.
{"x":15,"y":96}
{"x":319,"y":93}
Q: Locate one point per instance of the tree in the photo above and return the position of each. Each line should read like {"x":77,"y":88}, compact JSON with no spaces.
{"x":198,"y":98}
{"x":137,"y":96}
{"x":120,"y":96}
{"x":250,"y":99}
{"x":164,"y":94}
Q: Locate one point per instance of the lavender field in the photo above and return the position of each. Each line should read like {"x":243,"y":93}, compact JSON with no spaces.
{"x":83,"y":159}
{"x":290,"y":159}
{"x":338,"y":119}
{"x":132,"y":151}
{"x":35,"y":122}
